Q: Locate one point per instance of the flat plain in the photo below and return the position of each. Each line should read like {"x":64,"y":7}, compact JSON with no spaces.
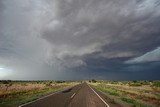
{"x":80,"y":93}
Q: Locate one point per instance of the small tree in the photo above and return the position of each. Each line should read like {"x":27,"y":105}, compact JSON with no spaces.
{"x":49,"y":83}
{"x":94,"y":81}
{"x":135,"y":81}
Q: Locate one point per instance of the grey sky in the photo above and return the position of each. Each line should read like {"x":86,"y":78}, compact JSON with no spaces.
{"x":60,"y":39}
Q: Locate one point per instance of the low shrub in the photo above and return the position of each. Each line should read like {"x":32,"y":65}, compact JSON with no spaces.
{"x":156,"y":83}
{"x":128,"y":100}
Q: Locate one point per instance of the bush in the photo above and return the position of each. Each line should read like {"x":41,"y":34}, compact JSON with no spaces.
{"x":49,"y":83}
{"x":156,"y":83}
{"x":94,"y":81}
{"x":135,"y":83}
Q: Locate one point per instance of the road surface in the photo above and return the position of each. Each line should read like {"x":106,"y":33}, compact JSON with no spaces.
{"x":81,"y":95}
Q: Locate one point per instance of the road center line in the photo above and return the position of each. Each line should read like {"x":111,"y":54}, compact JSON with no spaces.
{"x":73,"y":95}
{"x":99,"y":96}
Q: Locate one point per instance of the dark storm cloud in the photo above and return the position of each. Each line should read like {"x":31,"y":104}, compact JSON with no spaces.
{"x":90,"y":25}
{"x":59,"y":39}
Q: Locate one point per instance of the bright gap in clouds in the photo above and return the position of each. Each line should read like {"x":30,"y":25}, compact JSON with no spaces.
{"x":5,"y":72}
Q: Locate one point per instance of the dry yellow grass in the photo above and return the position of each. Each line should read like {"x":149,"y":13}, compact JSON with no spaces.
{"x":148,"y":94}
{"x":21,"y":92}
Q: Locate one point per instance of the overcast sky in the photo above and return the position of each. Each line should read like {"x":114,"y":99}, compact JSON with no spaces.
{"x":79,"y":39}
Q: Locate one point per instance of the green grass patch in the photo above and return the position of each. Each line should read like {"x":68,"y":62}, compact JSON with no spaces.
{"x":134,"y":102}
{"x":113,"y":93}
{"x":107,"y":90}
{"x":128,"y":100}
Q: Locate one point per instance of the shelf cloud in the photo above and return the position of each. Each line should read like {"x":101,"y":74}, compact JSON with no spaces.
{"x":147,"y":57}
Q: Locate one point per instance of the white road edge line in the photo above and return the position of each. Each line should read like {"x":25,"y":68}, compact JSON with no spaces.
{"x":44,"y":97}
{"x":99,"y":96}
{"x":73,"y":95}
{"x":37,"y":99}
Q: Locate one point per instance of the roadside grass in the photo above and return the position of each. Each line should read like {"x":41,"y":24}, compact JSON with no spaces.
{"x":113,"y":101}
{"x":21,"y":97}
{"x":158,"y":95}
{"x":21,"y":92}
{"x":136,"y":95}
{"x":128,"y":100}
{"x":134,"y":102}
{"x":110,"y":91}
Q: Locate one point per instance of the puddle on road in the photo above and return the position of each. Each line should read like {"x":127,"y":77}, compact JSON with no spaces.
{"x":66,"y":91}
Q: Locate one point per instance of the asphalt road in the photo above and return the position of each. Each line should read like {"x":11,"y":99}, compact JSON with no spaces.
{"x":81,"y":95}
